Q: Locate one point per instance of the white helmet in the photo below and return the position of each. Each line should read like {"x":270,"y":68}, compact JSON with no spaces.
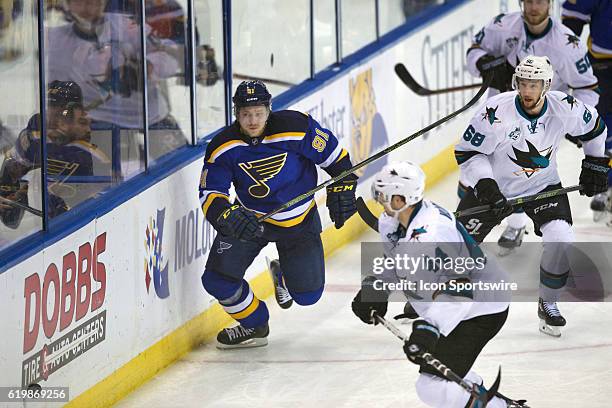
{"x":550,"y":7}
{"x":404,"y":178}
{"x":532,"y":67}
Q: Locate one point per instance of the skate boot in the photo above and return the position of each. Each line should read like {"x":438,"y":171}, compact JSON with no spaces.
{"x":241,"y":337}
{"x":598,"y":206}
{"x":511,"y":238}
{"x":283,"y":298}
{"x":550,"y":318}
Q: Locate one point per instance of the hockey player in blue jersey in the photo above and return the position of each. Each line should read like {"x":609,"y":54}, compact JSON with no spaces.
{"x":598,"y":14}
{"x":270,"y":158}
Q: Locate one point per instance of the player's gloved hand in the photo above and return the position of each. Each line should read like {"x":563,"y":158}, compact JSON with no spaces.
{"x":369,"y":301}
{"x":499,"y":68}
{"x":341,"y":201}
{"x":594,"y":175}
{"x":239,"y":223}
{"x":423,"y":339}
{"x":487,"y":192}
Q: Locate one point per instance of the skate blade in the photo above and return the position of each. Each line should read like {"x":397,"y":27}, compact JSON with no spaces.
{"x":251,"y":343}
{"x":598,"y":215}
{"x":553,"y":331}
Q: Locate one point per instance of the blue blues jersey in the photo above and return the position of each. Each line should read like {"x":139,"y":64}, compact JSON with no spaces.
{"x":270,"y":170}
{"x":72,"y":158}
{"x":599,"y":14}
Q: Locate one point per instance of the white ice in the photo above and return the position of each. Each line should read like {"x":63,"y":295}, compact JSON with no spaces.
{"x":324,"y":356}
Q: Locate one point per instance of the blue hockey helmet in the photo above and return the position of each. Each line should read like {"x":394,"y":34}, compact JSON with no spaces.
{"x":61,"y":93}
{"x":251,"y":93}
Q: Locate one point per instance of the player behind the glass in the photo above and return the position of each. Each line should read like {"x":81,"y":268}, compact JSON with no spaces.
{"x":507,"y":39}
{"x":510,"y":150}
{"x":598,"y":14}
{"x":454,"y":325}
{"x":270,"y":158}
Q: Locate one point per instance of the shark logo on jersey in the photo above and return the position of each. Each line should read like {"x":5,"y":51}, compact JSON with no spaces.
{"x":572,"y":40}
{"x":532,"y":160}
{"x":498,"y":19}
{"x":490,"y":115}
{"x":261,"y":171}
{"x":416,"y":232}
{"x":570,"y":100}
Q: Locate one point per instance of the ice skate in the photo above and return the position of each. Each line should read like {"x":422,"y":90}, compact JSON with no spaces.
{"x":241,"y":337}
{"x":282,"y":295}
{"x":598,"y":206}
{"x":510,"y":239}
{"x":550,"y":318}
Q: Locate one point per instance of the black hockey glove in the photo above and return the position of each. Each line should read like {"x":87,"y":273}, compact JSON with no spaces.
{"x":369,"y":301}
{"x":501,"y":70}
{"x":423,"y":339}
{"x":239,"y":223}
{"x":594,"y":175}
{"x":487,"y":192}
{"x":341,"y":201}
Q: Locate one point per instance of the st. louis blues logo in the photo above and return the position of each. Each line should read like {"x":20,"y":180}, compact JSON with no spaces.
{"x":532,"y":160}
{"x":261,"y":171}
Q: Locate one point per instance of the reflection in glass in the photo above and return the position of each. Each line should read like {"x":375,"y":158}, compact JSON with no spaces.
{"x":210,"y":91}
{"x":274,"y":45}
{"x":19,"y":192}
{"x":358,"y":24}
{"x":324,"y":33}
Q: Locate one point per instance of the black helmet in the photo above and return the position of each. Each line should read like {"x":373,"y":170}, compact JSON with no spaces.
{"x":251,"y":93}
{"x":61,"y":93}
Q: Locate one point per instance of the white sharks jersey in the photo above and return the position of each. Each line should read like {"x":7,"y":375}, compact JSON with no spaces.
{"x":506,"y":35}
{"x":517,"y":150}
{"x":434,"y":235}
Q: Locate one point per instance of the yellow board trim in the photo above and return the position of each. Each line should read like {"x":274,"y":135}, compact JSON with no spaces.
{"x":205,"y":326}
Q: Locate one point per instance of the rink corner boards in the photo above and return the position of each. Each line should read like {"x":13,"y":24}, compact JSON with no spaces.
{"x":204,"y":327}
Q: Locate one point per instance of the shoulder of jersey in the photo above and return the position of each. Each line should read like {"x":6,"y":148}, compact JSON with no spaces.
{"x":229,"y":135}
{"x":566,"y":37}
{"x":562,"y":100}
{"x":499,"y":99}
{"x":287,"y":121}
{"x":506,"y":22}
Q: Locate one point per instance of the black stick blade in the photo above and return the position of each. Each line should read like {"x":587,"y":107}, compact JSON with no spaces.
{"x":366,"y":215}
{"x":408,"y":80}
{"x":493,"y":390}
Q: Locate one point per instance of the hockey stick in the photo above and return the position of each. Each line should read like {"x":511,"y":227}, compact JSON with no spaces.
{"x":444,"y":370}
{"x":380,"y":154}
{"x":370,"y":219}
{"x":516,"y":202}
{"x":366,"y":215}
{"x":21,"y":206}
{"x":410,"y":82}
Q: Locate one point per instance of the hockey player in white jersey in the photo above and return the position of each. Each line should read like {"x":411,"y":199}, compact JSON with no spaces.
{"x":531,"y":31}
{"x":510,"y":148}
{"x":453,"y":325}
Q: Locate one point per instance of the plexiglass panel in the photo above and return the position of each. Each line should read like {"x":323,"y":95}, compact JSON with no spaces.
{"x":19,"y":173}
{"x":324,"y":33}
{"x":358,"y":24}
